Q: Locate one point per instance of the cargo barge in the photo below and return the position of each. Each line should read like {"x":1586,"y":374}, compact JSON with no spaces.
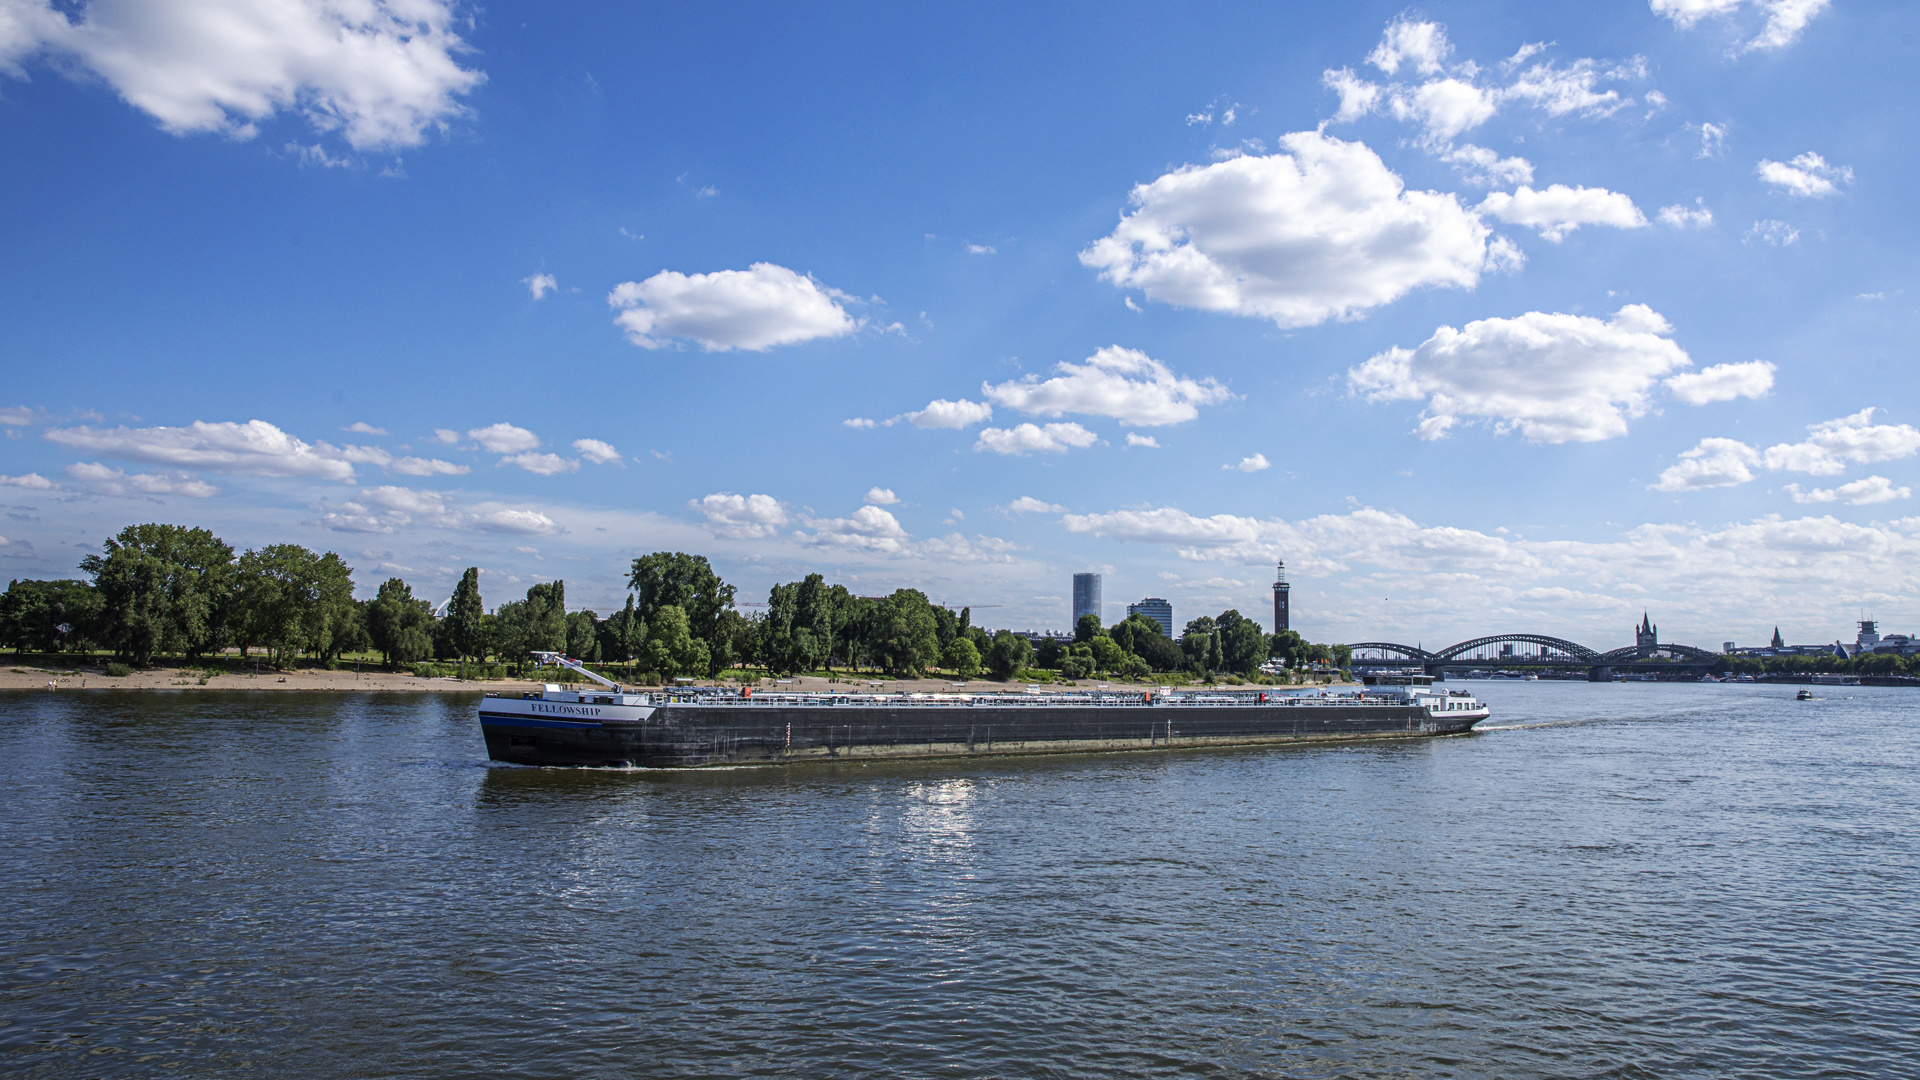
{"x":706,"y":726}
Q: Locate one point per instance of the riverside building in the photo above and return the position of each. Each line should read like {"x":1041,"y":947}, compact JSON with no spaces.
{"x":1282,"y":607}
{"x":1086,"y":598}
{"x":1158,"y":610}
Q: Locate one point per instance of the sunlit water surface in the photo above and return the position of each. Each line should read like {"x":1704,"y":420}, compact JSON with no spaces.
{"x":1612,"y":880}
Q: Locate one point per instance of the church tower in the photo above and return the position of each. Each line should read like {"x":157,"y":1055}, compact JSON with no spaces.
{"x":1777,"y":643}
{"x":1282,"y":615}
{"x":1646,"y":637}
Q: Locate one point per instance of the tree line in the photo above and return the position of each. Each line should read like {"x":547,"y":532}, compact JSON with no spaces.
{"x":171,"y":590}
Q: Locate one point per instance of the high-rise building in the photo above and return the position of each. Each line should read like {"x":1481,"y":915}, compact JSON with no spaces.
{"x":1086,"y":598}
{"x":1282,"y":613}
{"x":1156,"y":609}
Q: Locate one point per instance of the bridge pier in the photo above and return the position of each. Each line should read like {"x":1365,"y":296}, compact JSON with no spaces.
{"x":1438,"y":671}
{"x":1600,"y":673}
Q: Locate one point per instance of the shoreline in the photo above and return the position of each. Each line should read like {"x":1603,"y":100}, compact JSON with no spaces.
{"x":27,"y":677}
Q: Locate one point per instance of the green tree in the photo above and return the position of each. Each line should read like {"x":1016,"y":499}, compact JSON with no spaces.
{"x":583,"y":636}
{"x":1048,"y":653}
{"x":1009,"y":655}
{"x":294,"y":600}
{"x":162,"y":588}
{"x":1107,"y":656}
{"x":399,"y":626}
{"x":676,"y":579}
{"x":622,"y":635}
{"x":465,"y":622}
{"x":1242,"y":643}
{"x":1201,"y":644}
{"x":904,"y":637}
{"x":547,"y":617}
{"x":1077,"y":662}
{"x":732,"y":643}
{"x":1085,"y":627}
{"x":961,"y":658}
{"x":672,"y":650}
{"x":49,"y":616}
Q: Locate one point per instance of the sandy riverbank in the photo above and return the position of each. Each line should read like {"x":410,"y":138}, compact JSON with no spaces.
{"x":31,"y":677}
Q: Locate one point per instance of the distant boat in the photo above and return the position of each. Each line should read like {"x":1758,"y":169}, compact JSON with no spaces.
{"x":1803,"y":695}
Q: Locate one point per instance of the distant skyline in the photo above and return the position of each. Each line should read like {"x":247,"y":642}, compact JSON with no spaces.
{"x":1484,"y":317}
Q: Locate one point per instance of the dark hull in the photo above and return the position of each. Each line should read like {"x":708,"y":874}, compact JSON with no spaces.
{"x":677,"y":736}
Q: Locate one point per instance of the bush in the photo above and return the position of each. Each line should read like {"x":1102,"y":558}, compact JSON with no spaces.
{"x":118,"y":670}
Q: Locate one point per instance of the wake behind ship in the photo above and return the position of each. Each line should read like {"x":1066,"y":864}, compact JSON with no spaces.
{"x":703,"y":726}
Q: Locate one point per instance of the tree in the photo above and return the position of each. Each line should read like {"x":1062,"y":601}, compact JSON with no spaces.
{"x":48,"y":616}
{"x":465,"y":622}
{"x":1288,"y":647}
{"x":1085,"y":627}
{"x":1009,"y":655}
{"x":904,"y":639}
{"x":961,"y":658}
{"x":583,"y":636}
{"x":672,"y":649}
{"x":399,"y":626}
{"x":732,"y":643}
{"x":1201,"y":644}
{"x":293,"y":600}
{"x":1048,"y":653}
{"x":684,"y":581}
{"x":1242,"y":644}
{"x":622,"y":635}
{"x":1107,"y":656}
{"x":547,"y":617}
{"x":162,"y":588}
{"x":1077,"y":662}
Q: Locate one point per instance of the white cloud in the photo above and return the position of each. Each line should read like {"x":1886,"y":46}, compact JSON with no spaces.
{"x":941,"y":413}
{"x":1560,"y":209}
{"x":504,"y":438}
{"x":418,"y":466}
{"x":1786,"y":19}
{"x":1723,"y":382}
{"x":1137,"y":439}
{"x":540,"y":285}
{"x":880,"y":496}
{"x":1681,"y":216}
{"x":381,"y":72}
{"x":1830,"y":445}
{"x":1479,"y":165}
{"x":1572,"y":89}
{"x":1552,"y":377}
{"x":102,"y":480}
{"x":1422,"y":46}
{"x":1807,"y":176}
{"x":17,"y":415}
{"x":753,"y":309}
{"x":1125,"y":384}
{"x":255,"y":447}
{"x":868,"y":529}
{"x":1027,"y":504}
{"x":1713,"y":141}
{"x":385,"y":509}
{"x":1863,"y":492}
{"x":1769,"y":231}
{"x":981,"y":249}
{"x":1444,"y":108}
{"x":600,"y":453}
{"x":512,"y":522}
{"x":1251,"y":464}
{"x":30,"y":481}
{"x":860,"y":422}
{"x":361,"y":427}
{"x":1322,"y":230}
{"x":543,"y":464}
{"x":1358,"y":97}
{"x":1713,"y":463}
{"x":449,"y":437}
{"x":742,"y":517}
{"x":1029,"y":438}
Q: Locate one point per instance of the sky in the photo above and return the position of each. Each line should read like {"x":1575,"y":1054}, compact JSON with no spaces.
{"x":1484,"y":317}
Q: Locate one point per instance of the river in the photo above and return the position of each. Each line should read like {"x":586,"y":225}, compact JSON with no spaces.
{"x":1620,"y":880}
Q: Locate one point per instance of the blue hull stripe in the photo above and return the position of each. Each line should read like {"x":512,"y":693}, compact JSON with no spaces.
{"x":505,"y":720}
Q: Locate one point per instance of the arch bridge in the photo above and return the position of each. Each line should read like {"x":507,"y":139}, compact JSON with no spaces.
{"x":1530,"y":651}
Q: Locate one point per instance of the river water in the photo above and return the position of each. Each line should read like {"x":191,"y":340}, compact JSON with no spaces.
{"x":1629,"y":880}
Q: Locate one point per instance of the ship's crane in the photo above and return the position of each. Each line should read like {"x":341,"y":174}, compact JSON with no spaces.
{"x":574,"y":665}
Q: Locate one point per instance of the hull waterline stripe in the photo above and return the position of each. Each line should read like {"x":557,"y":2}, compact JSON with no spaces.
{"x":505,"y":720}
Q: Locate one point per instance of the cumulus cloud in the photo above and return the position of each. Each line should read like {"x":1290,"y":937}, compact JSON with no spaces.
{"x":600,"y":453}
{"x":1443,"y":108}
{"x":1786,"y":19}
{"x":504,"y":438}
{"x":542,"y":464}
{"x":404,"y":466}
{"x":17,"y":415}
{"x":1572,"y":89}
{"x":941,"y":413}
{"x":860,"y":423}
{"x":1680,"y":216}
{"x":1856,"y":438}
{"x":1027,"y":504}
{"x":1560,"y":209}
{"x":1713,"y":463}
{"x":742,"y":517}
{"x":1031,"y":438}
{"x":29,"y":481}
{"x":448,"y":437}
{"x":1321,"y":230}
{"x":1420,"y":45}
{"x":1479,"y":165}
{"x":1358,"y":97}
{"x":102,"y":480}
{"x":1125,"y":384}
{"x":1807,"y":176}
{"x":1552,"y":377}
{"x":386,"y":509}
{"x":255,"y":447}
{"x":540,"y":285}
{"x":1769,"y":231}
{"x":361,"y":427}
{"x":382,"y":73}
{"x":1137,"y":439}
{"x":753,"y":309}
{"x":869,"y":529}
{"x":1251,"y":464}
{"x":880,"y":496}
{"x":1863,"y":492}
{"x":1723,"y":382}
{"x":1713,"y":140}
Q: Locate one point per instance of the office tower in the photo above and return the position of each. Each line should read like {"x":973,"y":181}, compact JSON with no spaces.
{"x":1156,"y":609}
{"x":1086,"y":598}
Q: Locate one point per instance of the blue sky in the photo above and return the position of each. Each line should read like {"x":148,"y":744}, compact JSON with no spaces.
{"x":1484,"y":317}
